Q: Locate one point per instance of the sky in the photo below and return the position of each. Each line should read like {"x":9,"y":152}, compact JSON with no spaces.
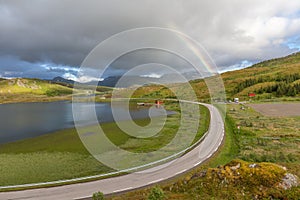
{"x":49,"y":38}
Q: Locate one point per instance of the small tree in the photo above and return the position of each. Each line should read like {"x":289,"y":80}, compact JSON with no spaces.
{"x":98,"y":196}
{"x":156,"y":194}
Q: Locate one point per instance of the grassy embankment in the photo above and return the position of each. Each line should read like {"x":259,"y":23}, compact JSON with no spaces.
{"x":35,"y":90}
{"x":61,"y":155}
{"x":218,"y":178}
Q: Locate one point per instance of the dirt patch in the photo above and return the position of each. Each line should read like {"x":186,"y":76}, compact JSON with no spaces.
{"x":278,"y":109}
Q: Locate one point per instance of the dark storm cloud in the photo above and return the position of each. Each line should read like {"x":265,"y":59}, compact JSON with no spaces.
{"x":63,"y":32}
{"x":12,"y":67}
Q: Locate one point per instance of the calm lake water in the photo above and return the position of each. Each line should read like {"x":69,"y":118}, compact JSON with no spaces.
{"x":26,"y":120}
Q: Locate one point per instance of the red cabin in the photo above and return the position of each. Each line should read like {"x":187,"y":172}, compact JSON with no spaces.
{"x":251,"y":94}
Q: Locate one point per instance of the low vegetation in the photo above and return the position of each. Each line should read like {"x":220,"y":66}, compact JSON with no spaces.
{"x":226,"y":177}
{"x":156,"y":194}
{"x":31,"y":90}
{"x":267,"y":139}
{"x":235,"y":180}
{"x":98,"y":196}
{"x":61,"y":155}
{"x":269,"y":79}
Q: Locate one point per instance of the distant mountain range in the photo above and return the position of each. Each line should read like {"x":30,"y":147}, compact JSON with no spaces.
{"x":128,"y":81}
{"x":110,"y":81}
{"x":62,"y":80}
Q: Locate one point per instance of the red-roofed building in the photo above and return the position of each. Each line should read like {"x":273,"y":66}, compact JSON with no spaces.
{"x":251,"y":94}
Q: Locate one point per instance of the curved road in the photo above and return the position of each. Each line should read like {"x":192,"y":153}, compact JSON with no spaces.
{"x":131,"y":181}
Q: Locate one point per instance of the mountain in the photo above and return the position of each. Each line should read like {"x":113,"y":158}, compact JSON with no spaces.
{"x":279,"y":77}
{"x":127,"y":81}
{"x":110,"y":81}
{"x":62,"y":80}
{"x":273,"y":78}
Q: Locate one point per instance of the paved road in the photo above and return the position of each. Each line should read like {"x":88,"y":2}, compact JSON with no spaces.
{"x":135,"y":180}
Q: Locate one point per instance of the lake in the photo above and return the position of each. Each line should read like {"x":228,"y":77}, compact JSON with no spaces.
{"x":26,"y":120}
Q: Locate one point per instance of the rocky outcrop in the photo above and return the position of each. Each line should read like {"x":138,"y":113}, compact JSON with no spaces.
{"x":289,"y":181}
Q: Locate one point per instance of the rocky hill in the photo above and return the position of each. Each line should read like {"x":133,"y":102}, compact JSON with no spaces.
{"x":23,"y":90}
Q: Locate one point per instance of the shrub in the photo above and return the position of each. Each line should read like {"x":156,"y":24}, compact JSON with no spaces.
{"x":156,"y":194}
{"x":98,"y":196}
{"x":51,"y":93}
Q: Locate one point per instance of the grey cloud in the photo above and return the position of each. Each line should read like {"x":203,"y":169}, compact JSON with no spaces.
{"x":14,"y":67}
{"x":63,"y":32}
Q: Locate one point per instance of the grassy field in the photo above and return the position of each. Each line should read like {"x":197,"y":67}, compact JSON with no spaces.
{"x":277,"y":109}
{"x":220,"y":178}
{"x":267,"y":138}
{"x":61,"y":155}
{"x":50,"y":157}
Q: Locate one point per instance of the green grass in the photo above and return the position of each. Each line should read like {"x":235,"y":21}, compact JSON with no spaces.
{"x":66,"y":140}
{"x":32,"y":90}
{"x":204,"y":123}
{"x":37,"y":167}
{"x":263,"y":138}
{"x":32,"y":86}
{"x":50,"y":157}
{"x":230,"y":148}
{"x":216,"y":180}
{"x":61,"y":155}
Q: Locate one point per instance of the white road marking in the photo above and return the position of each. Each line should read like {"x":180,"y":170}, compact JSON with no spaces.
{"x":125,"y":189}
{"x":85,"y":197}
{"x":219,"y":143}
{"x":180,"y":172}
{"x":198,"y":163}
{"x":155,"y":181}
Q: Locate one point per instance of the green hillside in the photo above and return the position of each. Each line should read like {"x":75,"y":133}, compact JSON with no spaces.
{"x":28,"y":90}
{"x":273,"y":78}
{"x":269,"y":79}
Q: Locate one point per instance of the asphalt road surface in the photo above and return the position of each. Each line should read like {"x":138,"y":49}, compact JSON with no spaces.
{"x":132,"y":181}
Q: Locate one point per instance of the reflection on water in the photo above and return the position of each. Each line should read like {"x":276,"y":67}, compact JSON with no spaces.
{"x":27,"y":120}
